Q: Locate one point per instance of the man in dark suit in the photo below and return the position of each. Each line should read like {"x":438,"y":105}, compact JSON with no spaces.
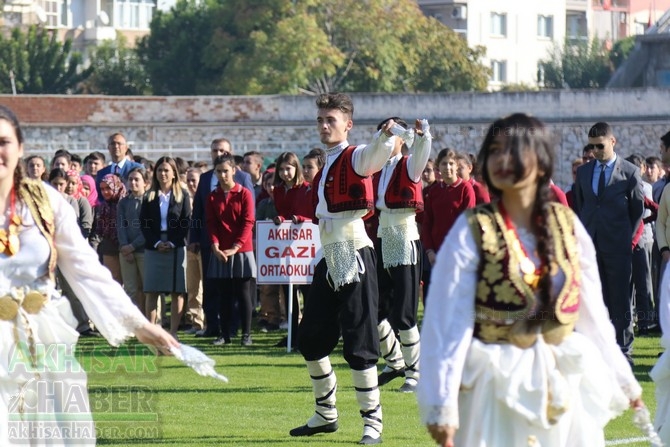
{"x":199,"y":236}
{"x":610,"y":202}
{"x":121,"y":164}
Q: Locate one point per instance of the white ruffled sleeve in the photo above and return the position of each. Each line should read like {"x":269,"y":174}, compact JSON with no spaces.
{"x":594,"y":319}
{"x":664,"y":309}
{"x":104,"y":300}
{"x":447,"y":327}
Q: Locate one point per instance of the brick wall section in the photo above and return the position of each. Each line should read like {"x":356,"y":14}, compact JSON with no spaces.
{"x":185,"y":126}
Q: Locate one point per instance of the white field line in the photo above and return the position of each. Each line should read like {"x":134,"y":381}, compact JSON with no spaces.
{"x":626,"y":441}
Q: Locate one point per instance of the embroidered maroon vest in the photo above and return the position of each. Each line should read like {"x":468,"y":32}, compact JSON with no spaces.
{"x":401,"y":192}
{"x":344,"y":189}
{"x":503,"y":300}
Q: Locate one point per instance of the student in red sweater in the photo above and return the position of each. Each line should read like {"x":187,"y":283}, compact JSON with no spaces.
{"x":444,"y":203}
{"x":230,"y":218}
{"x":464,"y":171}
{"x":293,"y":200}
{"x":292,"y":193}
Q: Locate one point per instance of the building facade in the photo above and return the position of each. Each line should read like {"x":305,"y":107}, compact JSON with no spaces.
{"x":518,"y":34}
{"x":86,"y":22}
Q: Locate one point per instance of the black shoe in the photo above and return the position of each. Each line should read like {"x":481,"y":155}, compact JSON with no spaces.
{"x":284,"y":342}
{"x":207,"y":334}
{"x":306,"y":430}
{"x":386,"y":376}
{"x":88,"y":333}
{"x":369,"y":440}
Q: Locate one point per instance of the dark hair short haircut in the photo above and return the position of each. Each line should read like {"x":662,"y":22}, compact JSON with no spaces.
{"x":445,"y":153}
{"x":636,"y":159}
{"x":57,"y":173}
{"x":95,"y":156}
{"x":666,"y":140}
{"x":142,"y":171}
{"x":317,"y":154}
{"x":651,"y":161}
{"x":74,"y":158}
{"x":600,"y":129}
{"x":227,"y":157}
{"x":336,"y":101}
{"x":399,"y":121}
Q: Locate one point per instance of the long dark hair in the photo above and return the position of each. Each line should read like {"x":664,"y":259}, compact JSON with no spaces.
{"x":522,"y":135}
{"x":9,"y":116}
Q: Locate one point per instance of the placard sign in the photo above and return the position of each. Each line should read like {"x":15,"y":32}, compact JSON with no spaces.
{"x":286,"y":253}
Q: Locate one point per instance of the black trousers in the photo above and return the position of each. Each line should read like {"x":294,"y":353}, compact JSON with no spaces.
{"x":615,"y":275}
{"x":399,"y":290}
{"x":210,"y":304}
{"x":229,"y":292}
{"x":350,"y":311}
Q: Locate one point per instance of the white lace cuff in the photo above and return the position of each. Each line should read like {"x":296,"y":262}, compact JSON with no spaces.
{"x":439,"y":415}
{"x":632,"y":390}
{"x":117,"y":332}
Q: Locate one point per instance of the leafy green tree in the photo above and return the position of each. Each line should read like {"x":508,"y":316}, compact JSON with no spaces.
{"x":621,"y":50}
{"x":173,"y":52}
{"x":321,"y":46}
{"x":117,"y":70}
{"x":579,"y":65}
{"x":39,"y":62}
{"x":292,"y":46}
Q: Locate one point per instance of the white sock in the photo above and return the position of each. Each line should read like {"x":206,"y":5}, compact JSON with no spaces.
{"x":367,"y":395}
{"x":410,"y":341}
{"x":324,"y":385}
{"x":389,"y":347}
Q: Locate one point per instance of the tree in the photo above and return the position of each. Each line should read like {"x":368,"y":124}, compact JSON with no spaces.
{"x":577,"y":65}
{"x":292,"y":46}
{"x":117,"y":70}
{"x":322,"y":46}
{"x":621,"y":50}
{"x":173,"y":52}
{"x":39,"y":62}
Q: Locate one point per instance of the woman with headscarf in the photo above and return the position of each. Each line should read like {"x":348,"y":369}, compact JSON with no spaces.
{"x":104,"y":228}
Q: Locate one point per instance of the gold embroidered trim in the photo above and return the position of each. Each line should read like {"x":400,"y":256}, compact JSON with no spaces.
{"x":35,"y":197}
{"x":516,"y":298}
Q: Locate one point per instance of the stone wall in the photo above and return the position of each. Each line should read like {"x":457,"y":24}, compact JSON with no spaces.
{"x":184,"y":126}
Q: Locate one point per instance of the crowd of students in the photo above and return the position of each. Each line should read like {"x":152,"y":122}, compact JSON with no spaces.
{"x":186,"y":230}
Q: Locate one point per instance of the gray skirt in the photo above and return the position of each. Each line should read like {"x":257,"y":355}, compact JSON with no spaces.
{"x":166,"y":271}
{"x":240,"y":265}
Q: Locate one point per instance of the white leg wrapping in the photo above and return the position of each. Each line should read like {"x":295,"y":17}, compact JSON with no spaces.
{"x":367,"y":395}
{"x":389,"y":346}
{"x":410,"y":341}
{"x":324,"y":384}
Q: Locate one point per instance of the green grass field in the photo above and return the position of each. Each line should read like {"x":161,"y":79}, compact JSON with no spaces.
{"x":138,"y":399}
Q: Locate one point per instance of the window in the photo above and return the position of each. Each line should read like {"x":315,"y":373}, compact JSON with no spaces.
{"x":499,"y":71}
{"x":498,"y":24}
{"x":545,"y":26}
{"x":129,"y":14}
{"x":53,"y":13}
{"x":575,"y":26}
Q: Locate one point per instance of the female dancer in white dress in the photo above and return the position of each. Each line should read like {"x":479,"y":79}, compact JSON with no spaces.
{"x":43,"y":388}
{"x":660,"y":373}
{"x":517,"y":348}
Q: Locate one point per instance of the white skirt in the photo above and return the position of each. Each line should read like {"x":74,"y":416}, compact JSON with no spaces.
{"x":543,"y":396}
{"x":660,"y":374}
{"x":47,"y":404}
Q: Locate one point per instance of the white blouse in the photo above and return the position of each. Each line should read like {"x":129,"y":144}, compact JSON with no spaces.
{"x":104,"y":299}
{"x":450,"y":315}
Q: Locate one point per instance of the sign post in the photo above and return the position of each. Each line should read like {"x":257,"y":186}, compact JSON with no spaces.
{"x":287,"y":254}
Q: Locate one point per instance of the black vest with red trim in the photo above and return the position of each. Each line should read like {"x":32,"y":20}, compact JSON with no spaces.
{"x":344,"y":189}
{"x":402,"y":191}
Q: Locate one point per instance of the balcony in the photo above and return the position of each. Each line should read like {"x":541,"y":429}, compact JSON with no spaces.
{"x":617,"y":5}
